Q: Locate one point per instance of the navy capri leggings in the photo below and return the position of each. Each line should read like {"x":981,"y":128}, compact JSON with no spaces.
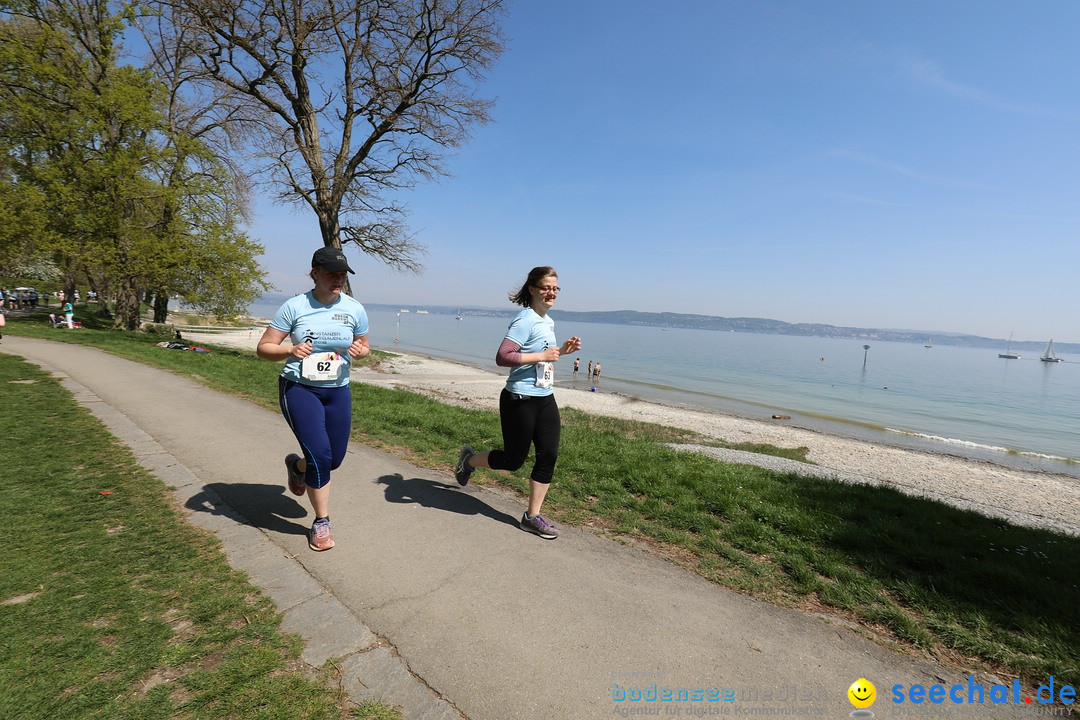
{"x":321,"y":418}
{"x":527,"y":421}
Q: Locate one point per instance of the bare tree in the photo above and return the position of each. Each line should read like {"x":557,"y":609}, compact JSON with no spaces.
{"x":354,"y":99}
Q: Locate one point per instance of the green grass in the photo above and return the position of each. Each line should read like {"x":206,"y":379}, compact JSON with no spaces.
{"x":111,"y":605}
{"x":926,"y":575}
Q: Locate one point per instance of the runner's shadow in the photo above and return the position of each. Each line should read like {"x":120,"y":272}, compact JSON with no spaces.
{"x":439,"y":496}
{"x":263,"y":506}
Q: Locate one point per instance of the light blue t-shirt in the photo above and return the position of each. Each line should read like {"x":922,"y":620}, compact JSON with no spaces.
{"x":534,"y":334}
{"x":330,"y":328}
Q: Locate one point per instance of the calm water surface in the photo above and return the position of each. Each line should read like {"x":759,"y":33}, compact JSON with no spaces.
{"x":965,"y":401}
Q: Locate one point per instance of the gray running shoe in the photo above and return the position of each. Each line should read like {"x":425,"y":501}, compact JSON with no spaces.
{"x":463,"y":471}
{"x":319,"y":537}
{"x":539,"y":526}
{"x":297,"y":486}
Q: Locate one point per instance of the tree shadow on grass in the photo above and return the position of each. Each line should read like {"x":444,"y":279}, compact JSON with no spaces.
{"x":440,"y":496}
{"x":262,"y":505}
{"x":996,"y":580}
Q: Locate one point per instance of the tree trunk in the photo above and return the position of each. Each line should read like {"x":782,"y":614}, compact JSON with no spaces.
{"x":161,"y":307}
{"x":69,"y":288}
{"x":330,"y":227}
{"x":127,"y":306}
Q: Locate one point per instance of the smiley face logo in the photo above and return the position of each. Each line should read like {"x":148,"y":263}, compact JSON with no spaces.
{"x":862,"y":693}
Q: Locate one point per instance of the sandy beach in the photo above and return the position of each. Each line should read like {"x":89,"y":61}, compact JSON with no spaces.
{"x":1030,"y":498}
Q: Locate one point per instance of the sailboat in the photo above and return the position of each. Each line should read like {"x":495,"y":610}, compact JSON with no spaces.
{"x":1009,"y":354}
{"x":928,"y":344}
{"x":458,"y":314}
{"x":1048,"y":354}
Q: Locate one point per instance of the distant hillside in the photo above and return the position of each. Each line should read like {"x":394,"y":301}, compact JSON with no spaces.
{"x":757,"y":325}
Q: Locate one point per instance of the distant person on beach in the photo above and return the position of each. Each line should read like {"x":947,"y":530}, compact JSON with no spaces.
{"x":577,"y":366}
{"x":596,"y":372}
{"x":590,"y":368}
{"x":528,"y":412}
{"x":328,"y":330}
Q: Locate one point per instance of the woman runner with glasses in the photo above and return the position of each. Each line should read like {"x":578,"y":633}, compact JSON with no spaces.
{"x":527,"y":409}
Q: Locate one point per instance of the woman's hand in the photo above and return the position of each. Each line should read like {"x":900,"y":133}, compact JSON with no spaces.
{"x":549,"y":355}
{"x":571,"y":346}
{"x":359,"y":348}
{"x":302,"y":350}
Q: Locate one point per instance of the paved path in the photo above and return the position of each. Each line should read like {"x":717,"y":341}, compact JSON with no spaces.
{"x":437,"y":602}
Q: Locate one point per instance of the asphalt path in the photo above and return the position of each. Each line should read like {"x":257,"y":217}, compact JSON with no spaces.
{"x":433,"y":599}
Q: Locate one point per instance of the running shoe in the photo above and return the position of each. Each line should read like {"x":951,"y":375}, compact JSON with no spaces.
{"x":297,"y":486}
{"x":319,"y":537}
{"x":539,"y":526}
{"x":463,"y":471}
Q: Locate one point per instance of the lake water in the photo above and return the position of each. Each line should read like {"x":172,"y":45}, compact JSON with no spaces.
{"x":965,"y":401}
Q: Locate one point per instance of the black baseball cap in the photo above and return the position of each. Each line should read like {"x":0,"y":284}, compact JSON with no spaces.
{"x":330,"y":259}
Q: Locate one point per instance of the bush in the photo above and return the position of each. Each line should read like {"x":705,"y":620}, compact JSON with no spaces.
{"x":160,"y":329}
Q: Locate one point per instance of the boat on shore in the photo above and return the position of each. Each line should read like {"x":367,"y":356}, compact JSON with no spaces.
{"x":1009,"y":354}
{"x":1048,"y":354}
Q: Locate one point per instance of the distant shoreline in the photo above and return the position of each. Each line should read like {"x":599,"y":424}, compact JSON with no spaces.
{"x":765,"y":326}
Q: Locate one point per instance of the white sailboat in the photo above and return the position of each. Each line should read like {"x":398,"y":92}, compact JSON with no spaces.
{"x":1048,"y":354}
{"x":928,"y":344}
{"x":1009,"y":354}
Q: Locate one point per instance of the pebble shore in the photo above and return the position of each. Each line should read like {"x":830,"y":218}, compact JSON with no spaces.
{"x":1030,"y":498}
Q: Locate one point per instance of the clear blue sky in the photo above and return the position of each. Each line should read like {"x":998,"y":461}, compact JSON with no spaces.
{"x":899,"y":165}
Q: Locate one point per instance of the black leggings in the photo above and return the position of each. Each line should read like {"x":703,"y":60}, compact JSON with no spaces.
{"x":524,"y":422}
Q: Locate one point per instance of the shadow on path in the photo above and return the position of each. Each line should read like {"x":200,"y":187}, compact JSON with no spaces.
{"x":439,"y":496}
{"x":264,"y":506}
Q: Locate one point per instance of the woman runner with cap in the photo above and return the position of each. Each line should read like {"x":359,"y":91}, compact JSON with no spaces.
{"x":328,"y":330}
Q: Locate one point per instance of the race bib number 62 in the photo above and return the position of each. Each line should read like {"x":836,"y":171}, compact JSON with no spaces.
{"x":321,"y":366}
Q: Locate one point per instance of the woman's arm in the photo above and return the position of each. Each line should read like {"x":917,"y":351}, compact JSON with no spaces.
{"x":270,"y":347}
{"x":510,"y":355}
